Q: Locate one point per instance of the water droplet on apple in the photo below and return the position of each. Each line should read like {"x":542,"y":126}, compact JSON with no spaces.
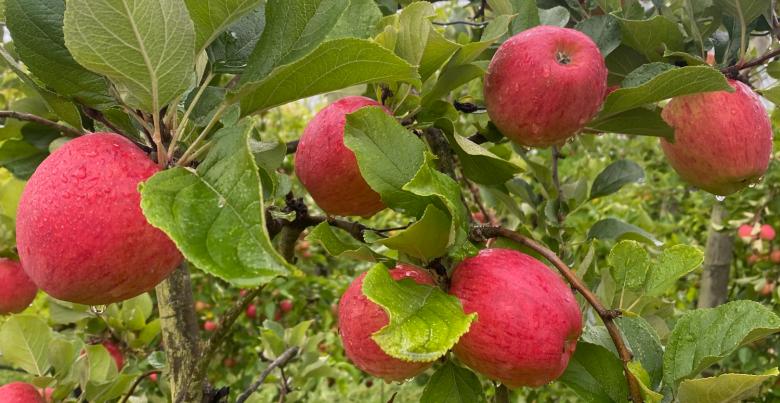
{"x":97,"y":309}
{"x":80,"y":173}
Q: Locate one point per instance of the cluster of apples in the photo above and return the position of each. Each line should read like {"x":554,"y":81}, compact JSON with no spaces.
{"x":759,"y":233}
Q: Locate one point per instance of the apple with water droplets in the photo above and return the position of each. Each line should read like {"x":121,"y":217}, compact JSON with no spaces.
{"x":722,"y":140}
{"x":360,"y":318}
{"x":528,"y":320}
{"x":80,"y":231}
{"x":17,"y":291}
{"x":544,"y":85}
{"x":328,"y":169}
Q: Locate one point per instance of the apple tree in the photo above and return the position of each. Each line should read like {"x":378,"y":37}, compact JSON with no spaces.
{"x":436,"y":201}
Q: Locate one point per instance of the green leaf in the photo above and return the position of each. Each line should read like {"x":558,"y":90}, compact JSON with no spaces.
{"x":24,"y":343}
{"x":426,"y":239}
{"x":215,"y":214}
{"x":639,"y":121}
{"x":425,"y":322}
{"x":641,"y":375}
{"x":645,"y":346}
{"x":212,"y":17}
{"x":146,"y":47}
{"x":615,"y":176}
{"x":629,"y":262}
{"x":63,"y":352}
{"x":20,"y":157}
{"x":596,"y":374}
{"x":604,"y":30}
{"x":557,"y":16}
{"x":230,"y":51}
{"x":704,"y":336}
{"x":453,"y":384}
{"x":744,"y":10}
{"x":652,"y":37}
{"x":772,"y":94}
{"x":645,"y":73}
{"x":527,"y":16}
{"x":293,"y":28}
{"x":725,"y":388}
{"x":388,"y":155}
{"x":480,"y":165}
{"x":622,"y":61}
{"x":612,"y":228}
{"x":673,"y":83}
{"x":359,"y":20}
{"x":438,"y":50}
{"x":675,"y":262}
{"x":338,"y":243}
{"x":335,"y":64}
{"x":36,"y":28}
{"x":102,"y":366}
{"x":413,"y":28}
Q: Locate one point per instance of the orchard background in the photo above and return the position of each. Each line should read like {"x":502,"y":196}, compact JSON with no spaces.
{"x":218,"y":93}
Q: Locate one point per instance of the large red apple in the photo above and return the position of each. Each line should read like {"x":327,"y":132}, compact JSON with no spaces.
{"x":328,"y":169}
{"x":528,"y":320}
{"x":81,"y":234}
{"x":722,"y":140}
{"x":544,"y":84}
{"x":359,"y":318}
{"x":20,"y":392}
{"x":17,"y":292}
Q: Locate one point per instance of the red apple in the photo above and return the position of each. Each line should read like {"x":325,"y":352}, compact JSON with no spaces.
{"x":359,"y":318}
{"x":80,"y":231}
{"x":711,"y":58}
{"x":251,"y":311}
{"x":20,"y":392}
{"x":17,"y":292}
{"x":745,"y":231}
{"x":775,"y":256}
{"x":154,"y":377}
{"x":328,"y":169}
{"x":528,"y":320}
{"x":767,"y":289}
{"x":544,"y":84}
{"x":47,"y":394}
{"x":722,"y":140}
{"x":753,"y":259}
{"x":767,"y":233}
{"x":209,"y":326}
{"x":116,"y":353}
{"x":286,"y":305}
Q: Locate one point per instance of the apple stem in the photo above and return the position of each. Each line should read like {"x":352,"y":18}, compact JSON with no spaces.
{"x":482,"y":233}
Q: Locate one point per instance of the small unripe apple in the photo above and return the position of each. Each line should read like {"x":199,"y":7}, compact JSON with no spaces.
{"x":116,"y":353}
{"x":360,"y":318}
{"x":286,"y":305}
{"x":544,"y":84}
{"x":767,"y":233}
{"x":80,"y":231}
{"x":745,"y":231}
{"x":528,"y":320}
{"x":17,"y":292}
{"x":251,"y":311}
{"x":209,"y":326}
{"x":20,"y":392}
{"x":775,"y":256}
{"x":328,"y":169}
{"x":154,"y":377}
{"x":767,"y":289}
{"x":722,"y":140}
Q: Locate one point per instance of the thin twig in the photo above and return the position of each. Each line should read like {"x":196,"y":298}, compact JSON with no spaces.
{"x":469,"y":23}
{"x":66,"y":130}
{"x":733,"y":71}
{"x":482,"y":233}
{"x":97,"y":115}
{"x":185,"y":120}
{"x":185,"y":158}
{"x":280,"y":361}
{"x":137,"y":382}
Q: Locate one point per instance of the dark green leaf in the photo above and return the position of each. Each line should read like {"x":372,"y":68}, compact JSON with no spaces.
{"x":652,"y":37}
{"x":640,"y":121}
{"x":230,"y":52}
{"x":615,"y":176}
{"x":645,"y":346}
{"x":426,"y":239}
{"x":645,"y":73}
{"x":604,"y":30}
{"x":596,"y":374}
{"x":212,"y":17}
{"x":724,"y":388}
{"x":612,"y":228}
{"x":359,"y":20}
{"x":453,"y":384}
{"x":337,"y":243}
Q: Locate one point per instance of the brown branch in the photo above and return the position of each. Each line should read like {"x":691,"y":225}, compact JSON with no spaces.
{"x":733,"y":71}
{"x":607,"y":315}
{"x":95,"y":114}
{"x":280,"y":361}
{"x":66,"y":130}
{"x":135,"y":385}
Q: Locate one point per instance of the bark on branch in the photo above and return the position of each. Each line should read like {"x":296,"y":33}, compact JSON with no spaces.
{"x":483,"y":233}
{"x":28,"y":117}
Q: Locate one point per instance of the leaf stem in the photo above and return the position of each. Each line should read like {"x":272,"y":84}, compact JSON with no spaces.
{"x":482,"y":233}
{"x":186,"y":157}
{"x":185,"y":120}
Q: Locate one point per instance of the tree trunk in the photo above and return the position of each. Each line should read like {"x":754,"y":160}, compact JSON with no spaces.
{"x":714,"y":287}
{"x":180,"y":335}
